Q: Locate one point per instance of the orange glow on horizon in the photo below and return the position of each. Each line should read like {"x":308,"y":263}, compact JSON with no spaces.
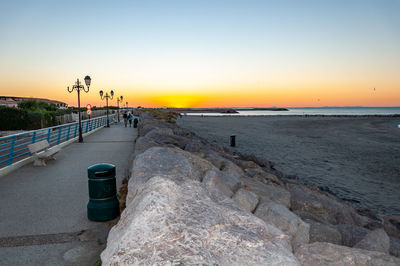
{"x":312,"y":96}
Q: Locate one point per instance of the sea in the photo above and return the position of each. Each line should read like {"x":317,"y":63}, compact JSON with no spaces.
{"x":312,"y":111}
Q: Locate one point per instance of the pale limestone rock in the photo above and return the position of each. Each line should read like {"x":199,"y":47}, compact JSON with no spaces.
{"x":246,"y":199}
{"x":160,"y":130}
{"x":267,"y":192}
{"x":258,"y":172}
{"x":143,"y":143}
{"x":213,"y":179}
{"x":172,"y":162}
{"x":376,"y":240}
{"x":320,"y":232}
{"x":285,"y":220}
{"x":165,"y":139}
{"x":325,"y":206}
{"x":186,"y":223}
{"x":351,"y":234}
{"x":321,"y":254}
{"x":394,"y":247}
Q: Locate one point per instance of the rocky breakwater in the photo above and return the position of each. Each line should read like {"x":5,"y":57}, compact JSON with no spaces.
{"x":193,"y":202}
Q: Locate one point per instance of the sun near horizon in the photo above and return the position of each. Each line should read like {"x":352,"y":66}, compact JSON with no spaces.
{"x":204,"y":54}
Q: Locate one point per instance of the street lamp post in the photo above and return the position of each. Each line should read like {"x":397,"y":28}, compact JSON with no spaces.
{"x":119,"y":99}
{"x":78,"y":87}
{"x":111,"y":96}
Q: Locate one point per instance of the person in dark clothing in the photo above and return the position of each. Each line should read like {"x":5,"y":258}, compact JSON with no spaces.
{"x":130,"y":118}
{"x":125,"y":116}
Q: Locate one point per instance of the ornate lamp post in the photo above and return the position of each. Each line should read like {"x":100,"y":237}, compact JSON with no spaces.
{"x":119,"y":99}
{"x":111,"y":96}
{"x":78,"y":87}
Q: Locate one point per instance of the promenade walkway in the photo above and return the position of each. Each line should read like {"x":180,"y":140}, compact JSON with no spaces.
{"x":43,"y":219}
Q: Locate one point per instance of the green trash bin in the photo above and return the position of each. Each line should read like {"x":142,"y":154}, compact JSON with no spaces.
{"x":103,"y":204}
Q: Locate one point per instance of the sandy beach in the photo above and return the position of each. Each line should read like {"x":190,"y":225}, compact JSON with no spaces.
{"x":357,"y":158}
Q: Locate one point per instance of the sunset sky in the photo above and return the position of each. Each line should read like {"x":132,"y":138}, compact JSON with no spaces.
{"x":200,"y":53}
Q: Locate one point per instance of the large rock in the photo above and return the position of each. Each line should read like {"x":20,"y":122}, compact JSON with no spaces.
{"x":391,"y":225}
{"x":285,"y":220}
{"x":160,"y":130}
{"x":258,"y":172}
{"x":320,"y":232}
{"x":160,"y":137}
{"x":143,"y":143}
{"x":187,"y":223}
{"x":147,"y":124}
{"x":246,"y":199}
{"x":225,"y":165}
{"x":215,"y":178}
{"x":394,"y":249}
{"x":194,"y":146}
{"x":351,"y":234}
{"x":267,"y":192}
{"x":376,"y":240}
{"x":184,"y":132}
{"x":310,"y":216}
{"x":326,"y":206}
{"x":320,"y":253}
{"x":174,"y":162}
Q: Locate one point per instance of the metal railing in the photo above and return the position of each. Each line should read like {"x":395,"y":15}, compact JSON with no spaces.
{"x":14,"y":148}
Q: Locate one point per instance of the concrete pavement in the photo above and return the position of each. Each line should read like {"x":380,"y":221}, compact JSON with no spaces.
{"x":43,"y":218}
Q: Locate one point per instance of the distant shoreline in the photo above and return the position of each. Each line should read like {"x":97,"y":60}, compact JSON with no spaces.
{"x":224,"y":110}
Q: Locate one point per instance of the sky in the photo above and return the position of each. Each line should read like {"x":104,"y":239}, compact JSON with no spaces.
{"x":200,"y":53}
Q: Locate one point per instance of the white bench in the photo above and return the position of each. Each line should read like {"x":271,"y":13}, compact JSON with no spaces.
{"x":41,"y":152}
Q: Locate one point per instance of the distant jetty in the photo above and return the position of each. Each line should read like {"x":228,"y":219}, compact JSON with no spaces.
{"x":224,"y":110}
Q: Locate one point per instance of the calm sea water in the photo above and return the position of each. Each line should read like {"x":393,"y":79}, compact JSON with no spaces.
{"x":315,"y":111}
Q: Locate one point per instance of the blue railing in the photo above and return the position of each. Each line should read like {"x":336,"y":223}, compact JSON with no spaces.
{"x":14,"y":148}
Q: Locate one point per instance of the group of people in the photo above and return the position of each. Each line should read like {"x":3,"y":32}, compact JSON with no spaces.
{"x":128,"y":116}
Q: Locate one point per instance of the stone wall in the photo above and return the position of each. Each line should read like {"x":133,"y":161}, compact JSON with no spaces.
{"x":193,"y":202}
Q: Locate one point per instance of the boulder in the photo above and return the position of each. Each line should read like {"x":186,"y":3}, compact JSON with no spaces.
{"x":224,"y":165}
{"x":372,"y":219}
{"x":246,"y":199}
{"x":148,"y":124}
{"x":258,"y":172}
{"x":351,"y":234}
{"x":320,"y":232}
{"x":324,"y":205}
{"x":170,"y":223}
{"x":267,"y":192}
{"x":259,"y":161}
{"x":172,"y":162}
{"x":160,"y":130}
{"x":213,"y":178}
{"x":194,"y":146}
{"x":285,"y":220}
{"x":175,"y":140}
{"x":322,"y":253}
{"x":394,"y":249}
{"x":391,"y":224}
{"x":247,"y":164}
{"x":376,"y":240}
{"x":143,"y":143}
{"x":184,"y":132}
{"x":232,"y":169}
{"x":310,"y":216}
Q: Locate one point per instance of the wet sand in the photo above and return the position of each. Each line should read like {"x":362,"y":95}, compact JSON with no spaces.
{"x":357,"y":158}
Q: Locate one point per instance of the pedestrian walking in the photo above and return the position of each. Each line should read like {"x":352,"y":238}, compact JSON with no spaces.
{"x":130,"y":118}
{"x":125,"y":116}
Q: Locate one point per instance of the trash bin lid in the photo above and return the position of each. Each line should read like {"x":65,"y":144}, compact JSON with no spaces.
{"x":101,"y":170}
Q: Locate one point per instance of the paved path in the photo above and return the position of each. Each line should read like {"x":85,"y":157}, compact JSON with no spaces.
{"x":43,"y":219}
